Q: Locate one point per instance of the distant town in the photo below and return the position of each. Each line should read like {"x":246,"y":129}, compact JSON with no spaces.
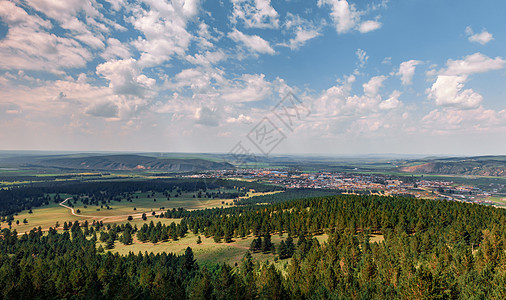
{"x":378,"y":184}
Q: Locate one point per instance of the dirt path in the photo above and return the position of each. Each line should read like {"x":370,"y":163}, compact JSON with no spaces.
{"x":72,"y":210}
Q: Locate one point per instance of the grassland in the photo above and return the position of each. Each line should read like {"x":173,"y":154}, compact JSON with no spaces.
{"x":147,"y":203}
{"x":208,"y":252}
{"x":118,"y":212}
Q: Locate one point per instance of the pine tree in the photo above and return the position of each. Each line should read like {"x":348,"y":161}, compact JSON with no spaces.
{"x":267,"y":245}
{"x":282,"y":250}
{"x":290,"y":246}
{"x":127,"y":237}
{"x":256,"y":245}
{"x":109,"y":244}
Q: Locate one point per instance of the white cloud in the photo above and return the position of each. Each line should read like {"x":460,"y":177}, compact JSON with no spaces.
{"x":65,"y":9}
{"x":115,"y":49}
{"x":337,"y":104}
{"x":104,"y":109}
{"x":392,"y":102}
{"x":368,"y":26}
{"x":116,"y":4}
{"x":407,"y":70}
{"x":207,"y":59}
{"x":362,"y":57}
{"x":447,"y":119}
{"x":29,"y":46}
{"x":240,"y":119}
{"x":304,"y":31}
{"x":207,"y":116}
{"x":344,"y":15}
{"x":16,"y":16}
{"x":255,"y":13}
{"x":448,"y":91}
{"x":163,"y":26}
{"x":482,"y":38}
{"x":387,"y":60}
{"x":472,"y":64}
{"x":301,"y":37}
{"x":88,"y":31}
{"x":205,"y":37}
{"x":347,"y":18}
{"x":252,"y":42}
{"x":125,"y":78}
{"x":364,"y":125}
{"x":358,"y":105}
{"x":371,"y":88}
{"x":247,"y":88}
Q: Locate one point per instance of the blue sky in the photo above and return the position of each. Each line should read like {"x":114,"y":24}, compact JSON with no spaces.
{"x":414,"y":77}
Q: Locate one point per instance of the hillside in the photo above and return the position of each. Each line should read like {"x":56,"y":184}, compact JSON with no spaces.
{"x":472,"y":166}
{"x":126,"y":163}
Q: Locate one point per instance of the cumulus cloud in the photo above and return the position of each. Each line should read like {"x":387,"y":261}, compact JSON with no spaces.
{"x":247,"y":88}
{"x":472,"y":64}
{"x":103,"y":109}
{"x":207,"y":116}
{"x":371,"y":88}
{"x":255,"y":13}
{"x":164,"y":31}
{"x":448,"y":91}
{"x":347,"y":18}
{"x":482,"y":38}
{"x":338,"y":102}
{"x":448,"y":119}
{"x":407,"y":70}
{"x":392,"y":102}
{"x":254,"y":43}
{"x":368,"y":26}
{"x":125,"y":78}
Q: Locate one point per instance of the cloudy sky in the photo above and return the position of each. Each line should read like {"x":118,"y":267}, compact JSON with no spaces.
{"x":398,"y":76}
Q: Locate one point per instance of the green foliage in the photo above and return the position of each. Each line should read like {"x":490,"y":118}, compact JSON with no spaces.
{"x":431,"y":249}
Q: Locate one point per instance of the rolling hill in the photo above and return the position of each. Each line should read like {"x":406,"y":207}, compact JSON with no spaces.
{"x":124,"y":162}
{"x":472,"y":166}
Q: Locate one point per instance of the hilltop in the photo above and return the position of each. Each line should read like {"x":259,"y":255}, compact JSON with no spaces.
{"x":119,"y":162}
{"x":471,"y":166}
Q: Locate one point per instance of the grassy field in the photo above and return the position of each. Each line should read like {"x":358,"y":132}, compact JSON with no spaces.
{"x":207,"y":253}
{"x":210,"y":253}
{"x":145,"y":204}
{"x":47,"y":216}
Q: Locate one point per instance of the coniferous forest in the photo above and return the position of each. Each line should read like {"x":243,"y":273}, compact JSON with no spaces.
{"x":431,"y":249}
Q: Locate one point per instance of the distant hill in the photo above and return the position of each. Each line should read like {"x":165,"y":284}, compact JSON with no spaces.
{"x":473,"y":166}
{"x":127,"y":163}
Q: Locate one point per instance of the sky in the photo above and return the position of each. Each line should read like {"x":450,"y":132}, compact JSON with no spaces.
{"x":254,"y":76}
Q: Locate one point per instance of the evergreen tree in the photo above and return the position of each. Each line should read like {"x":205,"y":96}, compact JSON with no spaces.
{"x":267,"y":245}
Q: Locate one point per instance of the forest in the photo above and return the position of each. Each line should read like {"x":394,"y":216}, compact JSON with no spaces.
{"x":431,"y":249}
{"x":16,"y":199}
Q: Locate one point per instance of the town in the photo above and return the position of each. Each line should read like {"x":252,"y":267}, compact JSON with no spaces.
{"x":356,"y":183}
